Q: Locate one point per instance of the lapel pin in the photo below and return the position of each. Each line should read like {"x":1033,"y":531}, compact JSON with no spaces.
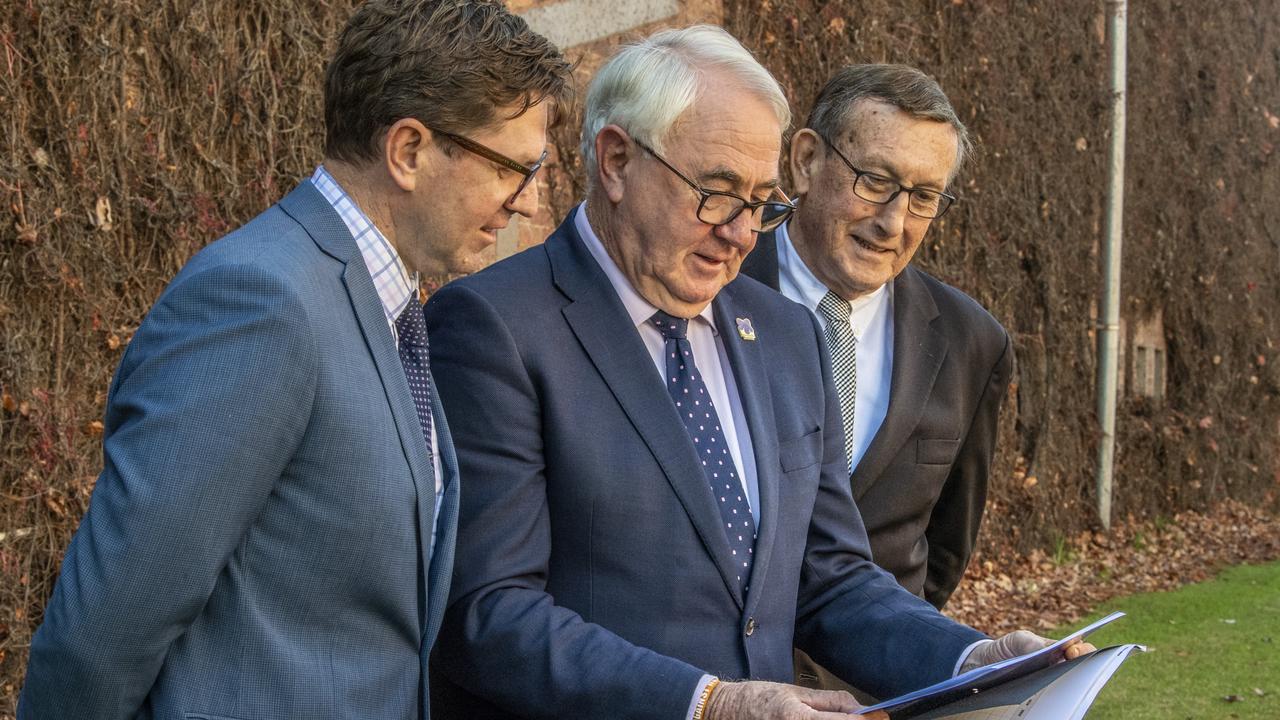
{"x":745,"y":331}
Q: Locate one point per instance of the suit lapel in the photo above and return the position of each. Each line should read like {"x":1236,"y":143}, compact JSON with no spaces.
{"x":747,"y":363}
{"x":441,"y":574}
{"x":601,"y":323}
{"x":918,"y":352}
{"x":306,"y":205}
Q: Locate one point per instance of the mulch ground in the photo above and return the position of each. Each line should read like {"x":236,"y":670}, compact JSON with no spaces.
{"x":1039,"y":590}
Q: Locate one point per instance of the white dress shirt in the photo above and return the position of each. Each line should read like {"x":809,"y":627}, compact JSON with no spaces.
{"x":396,"y":286}
{"x":872,"y":321}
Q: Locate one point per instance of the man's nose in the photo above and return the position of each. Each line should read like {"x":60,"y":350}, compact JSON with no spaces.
{"x":524,"y":202}
{"x":738,"y":232}
{"x":891,"y":216}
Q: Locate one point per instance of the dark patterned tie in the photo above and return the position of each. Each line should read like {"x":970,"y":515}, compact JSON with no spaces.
{"x":689,"y":392}
{"x":843,"y":345}
{"x":411,"y":327}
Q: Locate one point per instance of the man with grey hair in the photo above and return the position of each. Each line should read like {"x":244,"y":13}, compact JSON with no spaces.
{"x":921,"y":369}
{"x":657,"y":502}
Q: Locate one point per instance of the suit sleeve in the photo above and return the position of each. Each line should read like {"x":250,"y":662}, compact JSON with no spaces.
{"x":953,"y":525}
{"x":206,"y":409}
{"x":503,"y":637}
{"x":852,"y":617}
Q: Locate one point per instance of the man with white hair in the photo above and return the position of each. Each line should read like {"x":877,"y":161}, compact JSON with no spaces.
{"x":658,"y":505}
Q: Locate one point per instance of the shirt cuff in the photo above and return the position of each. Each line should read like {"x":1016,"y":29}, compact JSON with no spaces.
{"x":697,"y":694}
{"x":965,"y":655}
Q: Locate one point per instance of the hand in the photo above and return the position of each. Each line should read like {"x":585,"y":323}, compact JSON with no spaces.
{"x":777,"y":701}
{"x":1016,"y":643}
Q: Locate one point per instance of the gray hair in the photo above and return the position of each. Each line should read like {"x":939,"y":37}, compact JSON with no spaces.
{"x":901,"y":86}
{"x":647,"y":85}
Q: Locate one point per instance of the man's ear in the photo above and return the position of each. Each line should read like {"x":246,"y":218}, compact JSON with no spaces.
{"x":806,"y":159}
{"x":614,"y":152}
{"x":406,"y":151}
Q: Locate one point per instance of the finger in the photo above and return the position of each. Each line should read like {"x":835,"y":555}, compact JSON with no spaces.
{"x":1076,"y":649}
{"x":836,"y":700}
{"x":877,"y":715}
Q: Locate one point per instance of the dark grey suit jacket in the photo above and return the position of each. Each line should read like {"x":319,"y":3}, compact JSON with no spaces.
{"x":257,"y":545}
{"x":922,"y":483}
{"x":594,"y":579}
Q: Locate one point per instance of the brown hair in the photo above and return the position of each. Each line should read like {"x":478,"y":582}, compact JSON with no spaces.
{"x":452,"y":64}
{"x":901,"y":86}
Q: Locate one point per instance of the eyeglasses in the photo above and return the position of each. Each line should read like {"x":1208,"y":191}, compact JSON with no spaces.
{"x":921,"y":202}
{"x":493,"y":155}
{"x":721,"y":208}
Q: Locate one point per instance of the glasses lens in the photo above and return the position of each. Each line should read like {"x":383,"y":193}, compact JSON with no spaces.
{"x":925,"y":203}
{"x":774,"y":215}
{"x":874,"y":188}
{"x":528,"y":179}
{"x":944,"y":203}
{"x":718,"y":209}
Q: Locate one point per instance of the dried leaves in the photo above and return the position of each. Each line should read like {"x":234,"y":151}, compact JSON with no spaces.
{"x":1040,"y":590}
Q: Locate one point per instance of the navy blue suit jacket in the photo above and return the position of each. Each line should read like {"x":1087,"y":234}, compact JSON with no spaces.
{"x":257,"y":545}
{"x":593,"y":576}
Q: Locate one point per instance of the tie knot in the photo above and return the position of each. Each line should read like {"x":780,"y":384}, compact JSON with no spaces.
{"x":671,"y":327}
{"x":411,"y":326}
{"x":835,"y":308}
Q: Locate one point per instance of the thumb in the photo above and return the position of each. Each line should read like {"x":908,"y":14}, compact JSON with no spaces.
{"x":834,"y":700}
{"x":1020,"y":642}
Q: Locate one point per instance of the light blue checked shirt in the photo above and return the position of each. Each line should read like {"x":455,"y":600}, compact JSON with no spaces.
{"x":396,"y":286}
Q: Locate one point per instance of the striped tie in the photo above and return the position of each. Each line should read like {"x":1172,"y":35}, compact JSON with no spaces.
{"x":844,"y":361}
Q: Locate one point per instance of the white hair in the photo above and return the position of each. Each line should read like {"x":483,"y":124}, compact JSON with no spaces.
{"x":647,"y":85}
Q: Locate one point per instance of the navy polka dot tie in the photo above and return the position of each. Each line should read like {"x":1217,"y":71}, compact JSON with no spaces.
{"x":411,"y":329}
{"x":697,"y":411}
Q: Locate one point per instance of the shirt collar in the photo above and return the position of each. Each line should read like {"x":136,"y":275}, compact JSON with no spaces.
{"x":396,"y":286}
{"x":811,"y":289}
{"x":640,"y":310}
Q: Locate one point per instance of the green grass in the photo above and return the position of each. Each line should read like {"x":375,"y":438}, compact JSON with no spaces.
{"x":1209,"y":641}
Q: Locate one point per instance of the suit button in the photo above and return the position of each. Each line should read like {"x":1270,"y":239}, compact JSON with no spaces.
{"x":751,"y":626}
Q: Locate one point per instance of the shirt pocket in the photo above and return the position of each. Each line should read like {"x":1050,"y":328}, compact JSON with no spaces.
{"x":936,"y":451}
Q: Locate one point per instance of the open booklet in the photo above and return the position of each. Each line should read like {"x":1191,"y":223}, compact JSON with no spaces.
{"x":1036,"y":686}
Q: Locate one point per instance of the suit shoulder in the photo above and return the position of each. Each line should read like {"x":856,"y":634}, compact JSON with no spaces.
{"x":752,"y":292}
{"x":509,"y":278}
{"x":272,"y":241}
{"x":962,"y":310}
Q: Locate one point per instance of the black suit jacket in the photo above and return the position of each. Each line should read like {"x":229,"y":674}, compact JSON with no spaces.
{"x":922,"y":483}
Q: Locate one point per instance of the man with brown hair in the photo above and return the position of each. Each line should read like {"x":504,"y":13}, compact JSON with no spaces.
{"x":272,"y":535}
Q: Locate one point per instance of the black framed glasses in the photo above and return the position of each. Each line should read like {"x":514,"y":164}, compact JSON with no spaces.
{"x":471,"y":146}
{"x":921,"y":202}
{"x":721,"y":208}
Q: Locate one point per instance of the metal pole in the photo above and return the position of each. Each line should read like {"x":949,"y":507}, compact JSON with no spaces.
{"x":1109,"y":327}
